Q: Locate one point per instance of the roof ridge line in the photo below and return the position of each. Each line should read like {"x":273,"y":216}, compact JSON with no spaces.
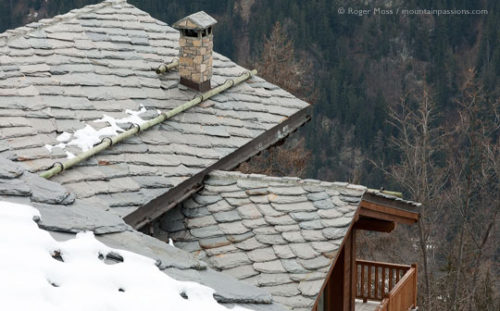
{"x":15,"y":33}
{"x":335,"y":185}
{"x":290,"y":179}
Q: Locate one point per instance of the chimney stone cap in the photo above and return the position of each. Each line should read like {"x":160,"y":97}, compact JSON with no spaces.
{"x":196,"y":21}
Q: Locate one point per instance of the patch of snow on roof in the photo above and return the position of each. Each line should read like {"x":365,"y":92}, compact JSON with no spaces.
{"x":39,"y":273}
{"x":64,"y":137}
{"x":70,"y":155}
{"x":87,"y":137}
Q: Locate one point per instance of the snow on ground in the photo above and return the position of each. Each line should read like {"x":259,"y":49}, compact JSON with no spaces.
{"x":87,"y":137}
{"x":39,"y":273}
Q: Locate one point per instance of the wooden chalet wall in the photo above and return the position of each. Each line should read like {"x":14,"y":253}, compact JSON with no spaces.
{"x":340,"y":289}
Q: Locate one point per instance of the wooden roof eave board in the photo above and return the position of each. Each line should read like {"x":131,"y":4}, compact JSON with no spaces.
{"x":385,"y":209}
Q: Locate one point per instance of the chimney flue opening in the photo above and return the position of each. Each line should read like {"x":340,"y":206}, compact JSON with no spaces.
{"x":196,"y":34}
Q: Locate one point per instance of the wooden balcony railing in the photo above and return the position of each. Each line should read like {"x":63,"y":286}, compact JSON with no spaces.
{"x":394,"y":285}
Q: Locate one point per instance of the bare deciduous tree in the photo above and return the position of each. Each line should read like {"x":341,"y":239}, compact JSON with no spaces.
{"x":473,"y":194}
{"x":420,"y":142}
{"x":281,"y":65}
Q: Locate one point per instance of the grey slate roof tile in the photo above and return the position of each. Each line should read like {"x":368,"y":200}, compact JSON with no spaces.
{"x":201,"y":222}
{"x":303,"y":250}
{"x":312,"y":224}
{"x":283,"y":251}
{"x":306,"y":206}
{"x":265,"y":229}
{"x":248,"y":211}
{"x":286,"y":199}
{"x":254,"y":223}
{"x":312,"y":235}
{"x":9,"y":170}
{"x":292,"y":266}
{"x":334,"y":233}
{"x":268,"y":210}
{"x":213,"y":242}
{"x":315,"y":263}
{"x":293,"y":237}
{"x":14,"y":187}
{"x":232,"y":228}
{"x":280,"y":220}
{"x":286,"y":228}
{"x":270,"y":239}
{"x":270,"y":267}
{"x":330,"y":213}
{"x":242,"y":272}
{"x":287,"y":290}
{"x":235,"y":238}
{"x":262,"y":254}
{"x":229,"y":260}
{"x":219,"y":206}
{"x":324,"y":247}
{"x":215,"y":251}
{"x":206,"y":232}
{"x":337,"y":222}
{"x":229,"y":216}
{"x":270,"y":279}
{"x":249,"y":244}
{"x":310,"y":288}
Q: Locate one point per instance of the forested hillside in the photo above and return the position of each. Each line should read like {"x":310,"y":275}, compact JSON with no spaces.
{"x":361,"y":65}
{"x":407,"y":102}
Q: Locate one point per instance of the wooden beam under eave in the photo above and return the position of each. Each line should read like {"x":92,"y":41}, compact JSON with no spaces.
{"x":383,"y":212}
{"x":371,"y":224}
{"x":364,"y":212}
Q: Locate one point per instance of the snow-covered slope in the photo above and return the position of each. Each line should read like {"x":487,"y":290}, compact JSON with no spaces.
{"x":40,"y":273}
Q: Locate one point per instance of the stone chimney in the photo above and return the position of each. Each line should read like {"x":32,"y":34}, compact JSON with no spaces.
{"x":195,"y":50}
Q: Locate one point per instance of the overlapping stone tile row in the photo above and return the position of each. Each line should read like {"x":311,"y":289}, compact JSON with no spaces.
{"x":278,"y":233}
{"x":61,"y":74}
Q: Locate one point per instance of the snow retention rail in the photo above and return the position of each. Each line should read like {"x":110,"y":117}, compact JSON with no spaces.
{"x":107,"y":142}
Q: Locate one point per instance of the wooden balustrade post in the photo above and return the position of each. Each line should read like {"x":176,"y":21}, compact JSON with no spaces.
{"x":362,"y":287}
{"x":369,"y":284}
{"x":415,"y":286}
{"x":391,"y":274}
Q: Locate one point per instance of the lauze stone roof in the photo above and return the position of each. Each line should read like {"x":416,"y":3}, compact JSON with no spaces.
{"x":278,"y":233}
{"x":63,"y":215}
{"x":62,"y":74}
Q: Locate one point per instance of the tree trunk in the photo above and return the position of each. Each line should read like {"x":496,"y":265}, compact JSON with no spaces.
{"x":423,"y":248}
